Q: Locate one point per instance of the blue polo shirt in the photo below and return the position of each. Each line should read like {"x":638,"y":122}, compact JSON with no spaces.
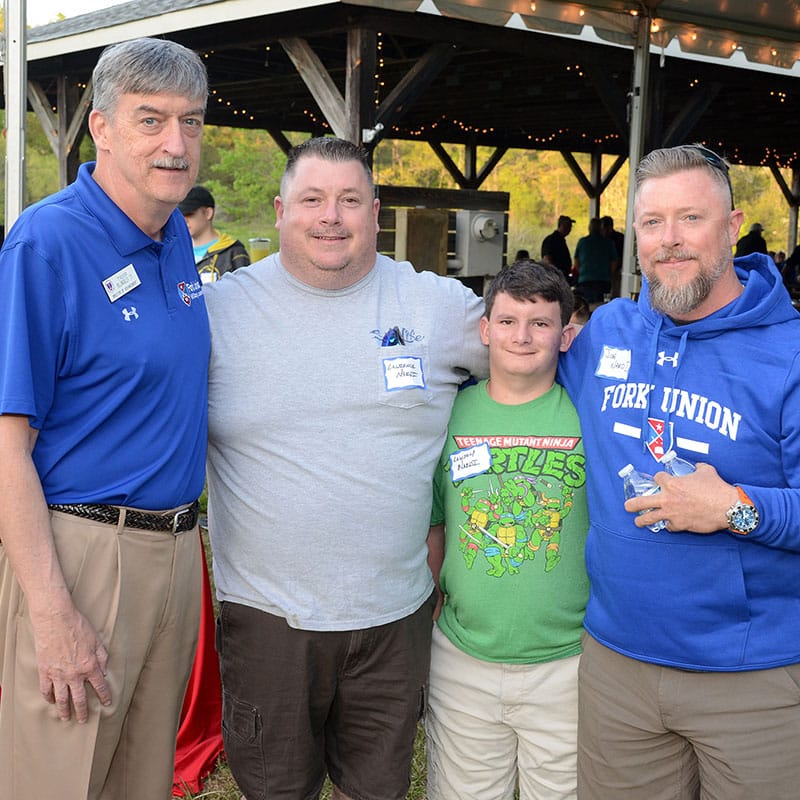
{"x":104,"y":345}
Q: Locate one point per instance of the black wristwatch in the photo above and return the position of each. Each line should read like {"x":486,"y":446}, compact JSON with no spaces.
{"x":742,"y":516}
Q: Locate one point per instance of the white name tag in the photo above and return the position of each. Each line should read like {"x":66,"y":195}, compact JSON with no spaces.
{"x":120,"y":283}
{"x":615,"y":362}
{"x":470,"y":462}
{"x":404,"y":372}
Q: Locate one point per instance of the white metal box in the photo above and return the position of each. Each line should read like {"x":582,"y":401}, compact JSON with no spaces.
{"x":479,"y":243}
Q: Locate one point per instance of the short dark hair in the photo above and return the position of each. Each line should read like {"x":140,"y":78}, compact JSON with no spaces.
{"x":331,"y":149}
{"x":525,"y":280}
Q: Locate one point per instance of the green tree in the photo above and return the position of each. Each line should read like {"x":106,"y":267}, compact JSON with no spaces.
{"x":242,"y":168}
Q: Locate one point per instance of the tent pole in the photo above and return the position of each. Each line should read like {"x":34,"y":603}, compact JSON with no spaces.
{"x":637,"y":109}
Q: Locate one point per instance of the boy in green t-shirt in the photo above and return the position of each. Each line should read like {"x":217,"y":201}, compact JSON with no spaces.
{"x":510,"y":494}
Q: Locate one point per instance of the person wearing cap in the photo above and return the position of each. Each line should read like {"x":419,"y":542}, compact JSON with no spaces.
{"x":752,"y":242}
{"x":215,"y":253}
{"x":554,"y":246}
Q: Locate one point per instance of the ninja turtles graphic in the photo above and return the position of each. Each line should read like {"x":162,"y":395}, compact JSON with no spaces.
{"x":511,"y":520}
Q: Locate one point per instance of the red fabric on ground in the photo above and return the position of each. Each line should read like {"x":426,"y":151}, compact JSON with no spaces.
{"x":200,"y":732}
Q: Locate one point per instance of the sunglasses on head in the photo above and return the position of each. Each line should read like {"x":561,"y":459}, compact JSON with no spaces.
{"x":717,"y":162}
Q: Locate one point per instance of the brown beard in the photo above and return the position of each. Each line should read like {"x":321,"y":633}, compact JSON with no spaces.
{"x":678,"y":301}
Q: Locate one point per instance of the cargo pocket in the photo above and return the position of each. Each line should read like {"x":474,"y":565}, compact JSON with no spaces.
{"x":242,"y":733}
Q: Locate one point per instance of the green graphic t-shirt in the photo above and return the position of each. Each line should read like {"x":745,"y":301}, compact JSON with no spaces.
{"x":511,"y":489}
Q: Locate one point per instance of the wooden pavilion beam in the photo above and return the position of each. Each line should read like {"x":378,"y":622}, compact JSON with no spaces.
{"x":470,"y":177}
{"x":66,"y":126}
{"x":359,"y":98}
{"x":319,"y":83}
{"x":413,"y":84}
{"x":694,"y":109}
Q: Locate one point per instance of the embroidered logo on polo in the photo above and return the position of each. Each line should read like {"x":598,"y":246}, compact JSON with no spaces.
{"x":189,"y":290}
{"x":130,"y":313}
{"x":184,"y":295}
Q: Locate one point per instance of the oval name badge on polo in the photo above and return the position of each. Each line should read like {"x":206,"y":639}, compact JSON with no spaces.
{"x":403,"y":372}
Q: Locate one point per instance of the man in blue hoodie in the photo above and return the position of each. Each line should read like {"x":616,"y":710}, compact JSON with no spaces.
{"x":690,"y":676}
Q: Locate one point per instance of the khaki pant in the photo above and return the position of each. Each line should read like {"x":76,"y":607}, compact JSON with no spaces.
{"x":647,"y":732}
{"x":141,"y":590}
{"x":491,"y":725}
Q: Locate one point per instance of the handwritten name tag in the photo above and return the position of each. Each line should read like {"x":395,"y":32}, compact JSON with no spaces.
{"x":470,"y":462}
{"x":404,"y":372}
{"x":615,"y":362}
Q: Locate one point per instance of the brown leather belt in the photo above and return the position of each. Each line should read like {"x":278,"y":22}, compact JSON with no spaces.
{"x":175,"y":521}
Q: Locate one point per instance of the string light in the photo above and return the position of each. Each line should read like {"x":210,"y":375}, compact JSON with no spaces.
{"x":770,"y":158}
{"x":379,"y":84}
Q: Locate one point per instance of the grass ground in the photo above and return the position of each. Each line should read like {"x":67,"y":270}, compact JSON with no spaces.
{"x":221,"y":785}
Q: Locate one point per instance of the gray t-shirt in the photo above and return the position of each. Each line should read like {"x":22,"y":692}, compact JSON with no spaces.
{"x":327,"y":414}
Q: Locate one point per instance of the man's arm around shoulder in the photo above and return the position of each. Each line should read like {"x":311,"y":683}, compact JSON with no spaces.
{"x":68,"y":650}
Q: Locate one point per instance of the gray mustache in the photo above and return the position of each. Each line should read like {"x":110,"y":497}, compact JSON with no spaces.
{"x":171,"y":163}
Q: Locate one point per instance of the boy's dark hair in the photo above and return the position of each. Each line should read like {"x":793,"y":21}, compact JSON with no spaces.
{"x":526,"y":280}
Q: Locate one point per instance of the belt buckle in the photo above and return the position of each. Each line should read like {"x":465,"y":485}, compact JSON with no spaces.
{"x":177,"y":516}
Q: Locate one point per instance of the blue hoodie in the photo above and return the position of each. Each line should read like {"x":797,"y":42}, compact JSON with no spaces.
{"x":723,"y":390}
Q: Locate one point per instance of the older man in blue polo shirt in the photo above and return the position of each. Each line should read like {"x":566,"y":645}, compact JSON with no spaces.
{"x":102,"y":447}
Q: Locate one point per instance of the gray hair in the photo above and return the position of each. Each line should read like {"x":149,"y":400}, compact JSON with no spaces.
{"x":669,"y":160}
{"x":147,"y":66}
{"x":328,"y":148}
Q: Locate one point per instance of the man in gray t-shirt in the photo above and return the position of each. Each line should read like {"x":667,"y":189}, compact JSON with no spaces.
{"x":332,"y":376}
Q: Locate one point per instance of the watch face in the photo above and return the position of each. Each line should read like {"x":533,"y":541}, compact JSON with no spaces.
{"x":743,"y":518}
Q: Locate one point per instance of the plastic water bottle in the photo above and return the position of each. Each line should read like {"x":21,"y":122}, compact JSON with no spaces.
{"x":675,"y":465}
{"x":637,"y":484}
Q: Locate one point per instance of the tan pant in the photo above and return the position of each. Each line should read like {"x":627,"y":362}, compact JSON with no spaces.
{"x":647,"y":732}
{"x":491,"y":725}
{"x":141,"y":590}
